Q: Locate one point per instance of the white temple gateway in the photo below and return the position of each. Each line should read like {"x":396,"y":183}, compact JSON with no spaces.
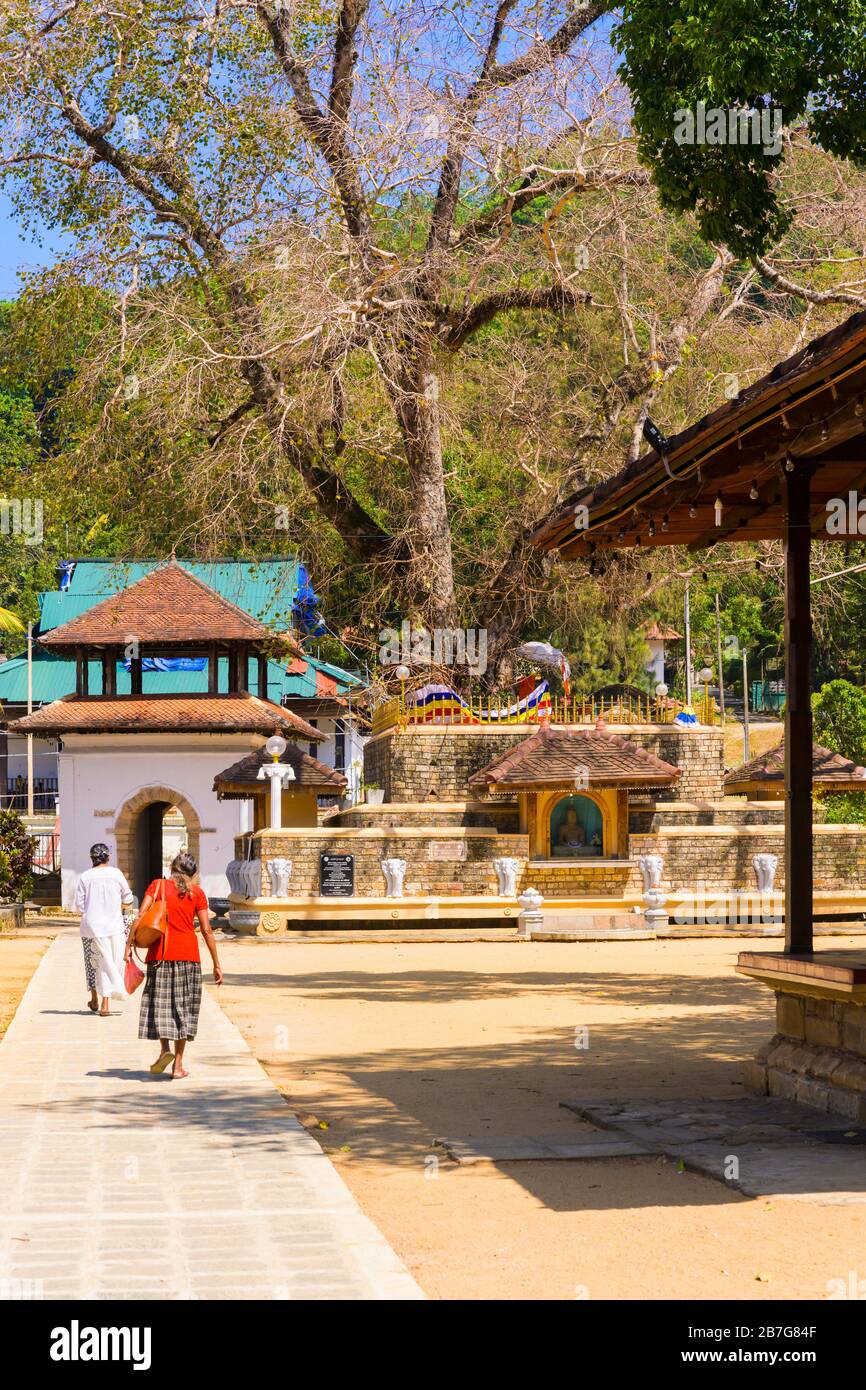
{"x":126,"y":759}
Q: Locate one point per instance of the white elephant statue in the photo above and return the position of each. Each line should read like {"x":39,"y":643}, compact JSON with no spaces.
{"x":765,"y":866}
{"x":507,"y":871}
{"x":394,"y":871}
{"x":233,"y":874}
{"x":656,"y":914}
{"x":279,"y":872}
{"x":251,"y":878}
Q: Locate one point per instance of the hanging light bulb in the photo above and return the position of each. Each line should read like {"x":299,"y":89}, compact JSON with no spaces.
{"x":717,"y":510}
{"x":789,"y":464}
{"x":620,"y":535}
{"x":651,"y":529}
{"x":693,"y":511}
{"x":753,"y":490}
{"x":664,"y":523}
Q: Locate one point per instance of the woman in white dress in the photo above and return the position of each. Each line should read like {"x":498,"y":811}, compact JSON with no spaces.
{"x":100,"y":897}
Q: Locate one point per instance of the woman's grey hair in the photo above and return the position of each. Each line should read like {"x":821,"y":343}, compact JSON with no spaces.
{"x":183,"y":868}
{"x":99,"y":854}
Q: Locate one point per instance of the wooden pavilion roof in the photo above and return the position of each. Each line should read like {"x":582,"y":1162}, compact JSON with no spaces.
{"x":811,"y":408}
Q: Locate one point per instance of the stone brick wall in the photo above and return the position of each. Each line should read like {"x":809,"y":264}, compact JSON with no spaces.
{"x":502,"y":817}
{"x":724,"y":860}
{"x":424,"y":875}
{"x":644,"y":820}
{"x":423,"y":764}
{"x":580,"y":880}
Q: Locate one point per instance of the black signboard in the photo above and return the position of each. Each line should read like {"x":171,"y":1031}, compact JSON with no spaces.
{"x":337,"y":875}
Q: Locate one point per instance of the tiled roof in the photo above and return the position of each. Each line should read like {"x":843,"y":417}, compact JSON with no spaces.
{"x":265,"y":588}
{"x":770,"y":767}
{"x":309,"y":772}
{"x":163,"y":714}
{"x":552,"y":757}
{"x":169,"y":605}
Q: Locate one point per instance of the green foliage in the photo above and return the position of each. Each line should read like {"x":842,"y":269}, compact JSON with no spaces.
{"x":839,"y":719}
{"x":844,"y":808}
{"x":16,"y":846}
{"x":805,"y":57}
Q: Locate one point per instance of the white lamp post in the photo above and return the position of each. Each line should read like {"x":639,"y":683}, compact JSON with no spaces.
{"x":280,"y":774}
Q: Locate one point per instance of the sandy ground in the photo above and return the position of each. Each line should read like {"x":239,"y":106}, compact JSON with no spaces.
{"x":391,"y":1046}
{"x":18,"y":959}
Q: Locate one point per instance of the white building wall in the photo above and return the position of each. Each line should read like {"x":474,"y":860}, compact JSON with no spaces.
{"x":100,"y":773}
{"x":656,"y":663}
{"x":326,"y":752}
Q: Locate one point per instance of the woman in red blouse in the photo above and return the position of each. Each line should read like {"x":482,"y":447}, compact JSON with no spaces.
{"x":171,"y":994}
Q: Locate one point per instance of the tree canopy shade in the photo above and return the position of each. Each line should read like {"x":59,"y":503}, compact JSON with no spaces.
{"x":379,"y":283}
{"x":803,"y":58}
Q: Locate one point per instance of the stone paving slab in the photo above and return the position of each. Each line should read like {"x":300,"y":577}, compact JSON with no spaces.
{"x":777,"y":1144}
{"x":119,"y":1184}
{"x":523,"y":1148}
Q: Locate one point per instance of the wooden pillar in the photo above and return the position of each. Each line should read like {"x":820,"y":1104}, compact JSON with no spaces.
{"x":213,"y":670}
{"x":135,"y":676}
{"x":233,"y":669}
{"x":798,"y":715}
{"x":109,"y":671}
{"x":262,"y":685}
{"x":82,"y":672}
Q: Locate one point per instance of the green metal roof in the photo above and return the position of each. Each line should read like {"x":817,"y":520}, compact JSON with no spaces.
{"x":264,"y":588}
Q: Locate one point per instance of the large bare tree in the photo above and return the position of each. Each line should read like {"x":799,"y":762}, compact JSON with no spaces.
{"x":314,"y":213}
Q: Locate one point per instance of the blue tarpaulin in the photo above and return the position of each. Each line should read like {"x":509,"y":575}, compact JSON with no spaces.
{"x":305,"y":605}
{"x":171,"y":663}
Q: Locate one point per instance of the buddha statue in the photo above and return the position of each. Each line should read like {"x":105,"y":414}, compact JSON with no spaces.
{"x":571,"y":833}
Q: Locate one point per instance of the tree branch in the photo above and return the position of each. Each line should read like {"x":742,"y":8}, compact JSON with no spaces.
{"x":557,"y":298}
{"x":327,"y":133}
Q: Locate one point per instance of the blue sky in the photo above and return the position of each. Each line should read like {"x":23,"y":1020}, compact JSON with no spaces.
{"x":19,"y":251}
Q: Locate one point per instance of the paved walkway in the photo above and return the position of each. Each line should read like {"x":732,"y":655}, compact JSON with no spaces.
{"x":118,"y":1184}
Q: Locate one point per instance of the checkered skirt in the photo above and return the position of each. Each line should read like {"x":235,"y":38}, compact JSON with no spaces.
{"x":170,"y":1000}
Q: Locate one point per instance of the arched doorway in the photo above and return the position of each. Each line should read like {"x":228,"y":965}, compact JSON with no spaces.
{"x":576,"y":827}
{"x":151,"y":827}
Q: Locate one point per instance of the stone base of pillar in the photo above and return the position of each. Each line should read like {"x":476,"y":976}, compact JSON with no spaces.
{"x":817,"y":1055}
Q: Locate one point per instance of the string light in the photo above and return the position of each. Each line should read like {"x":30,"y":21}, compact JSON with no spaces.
{"x":753,"y":490}
{"x":717,"y":510}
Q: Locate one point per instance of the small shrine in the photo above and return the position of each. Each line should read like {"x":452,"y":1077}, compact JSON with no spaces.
{"x":283,"y":772}
{"x":128,"y":760}
{"x":572,"y":790}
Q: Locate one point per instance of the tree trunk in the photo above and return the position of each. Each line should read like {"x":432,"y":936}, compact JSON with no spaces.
{"x":416,"y":405}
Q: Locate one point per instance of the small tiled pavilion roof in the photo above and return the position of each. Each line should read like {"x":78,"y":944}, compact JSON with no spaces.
{"x":168,"y":607}
{"x":241,"y":780}
{"x":163,"y":714}
{"x":551,"y":757}
{"x":828,"y":769}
